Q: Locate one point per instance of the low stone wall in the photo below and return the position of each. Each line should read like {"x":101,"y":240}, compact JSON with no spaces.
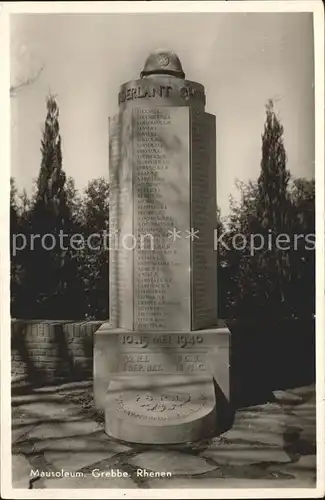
{"x":48,"y":351}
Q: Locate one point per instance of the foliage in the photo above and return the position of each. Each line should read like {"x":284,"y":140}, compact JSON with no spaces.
{"x":67,"y":282}
{"x":14,"y":230}
{"x":276,"y":278}
{"x":49,"y":270}
{"x":93,"y":257}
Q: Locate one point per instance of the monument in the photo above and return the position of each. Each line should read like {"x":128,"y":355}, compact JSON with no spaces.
{"x":162,"y":357}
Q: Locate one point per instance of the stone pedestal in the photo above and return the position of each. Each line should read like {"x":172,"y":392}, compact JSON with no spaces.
{"x":154,"y":409}
{"x":163,"y":265}
{"x":118,"y":351}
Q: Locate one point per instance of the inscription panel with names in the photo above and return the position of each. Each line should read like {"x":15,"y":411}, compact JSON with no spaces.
{"x":121,"y":220}
{"x":161,"y":203}
{"x":203,"y":216}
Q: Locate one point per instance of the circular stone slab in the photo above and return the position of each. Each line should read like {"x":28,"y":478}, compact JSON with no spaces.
{"x":159,"y":410}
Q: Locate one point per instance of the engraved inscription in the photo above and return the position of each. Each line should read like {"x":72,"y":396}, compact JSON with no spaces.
{"x":203,"y":216}
{"x":121,"y":219}
{"x":187,"y":93}
{"x":162,"y":339}
{"x":163,"y":353}
{"x":166,"y":362}
{"x":161,"y":202}
{"x":147,"y":405}
{"x":115,"y":162}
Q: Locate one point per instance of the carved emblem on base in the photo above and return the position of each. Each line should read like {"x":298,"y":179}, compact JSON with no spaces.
{"x":160,"y":410}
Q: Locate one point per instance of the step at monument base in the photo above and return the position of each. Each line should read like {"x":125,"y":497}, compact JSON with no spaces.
{"x":161,"y":409}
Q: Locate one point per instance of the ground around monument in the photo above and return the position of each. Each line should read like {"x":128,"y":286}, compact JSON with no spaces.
{"x":56,"y":432}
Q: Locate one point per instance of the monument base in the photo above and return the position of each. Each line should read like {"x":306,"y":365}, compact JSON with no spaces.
{"x":120,"y":352}
{"x":161,"y":410}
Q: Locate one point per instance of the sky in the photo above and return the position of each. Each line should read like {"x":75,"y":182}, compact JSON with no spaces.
{"x":242,"y":60}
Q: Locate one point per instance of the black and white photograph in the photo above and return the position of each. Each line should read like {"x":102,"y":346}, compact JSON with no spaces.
{"x":162,"y":249}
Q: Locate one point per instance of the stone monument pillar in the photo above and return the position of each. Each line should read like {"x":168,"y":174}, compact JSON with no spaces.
{"x":162,"y":358}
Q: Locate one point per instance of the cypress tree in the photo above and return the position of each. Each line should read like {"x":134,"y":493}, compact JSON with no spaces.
{"x":274,"y":177}
{"x":51,"y":195}
{"x":273,"y":207}
{"x":53,"y":269}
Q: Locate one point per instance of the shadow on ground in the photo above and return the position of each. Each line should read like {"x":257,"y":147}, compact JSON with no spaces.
{"x":267,"y":356}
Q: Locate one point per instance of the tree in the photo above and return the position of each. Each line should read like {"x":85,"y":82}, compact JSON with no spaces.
{"x":273,"y":201}
{"x":274,"y":280}
{"x":93,"y":259}
{"x":273,"y":209}
{"x":302,"y":258}
{"x":51,"y":269}
{"x":96,"y":204}
{"x":58,"y":280}
{"x":259,"y":279}
{"x":14,"y":229}
{"x":13,"y":205}
{"x":239,"y":272}
{"x":51,"y":195}
{"x":20,"y":205}
{"x":74,"y":202}
{"x":222,"y":270}
{"x":274,"y":177}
